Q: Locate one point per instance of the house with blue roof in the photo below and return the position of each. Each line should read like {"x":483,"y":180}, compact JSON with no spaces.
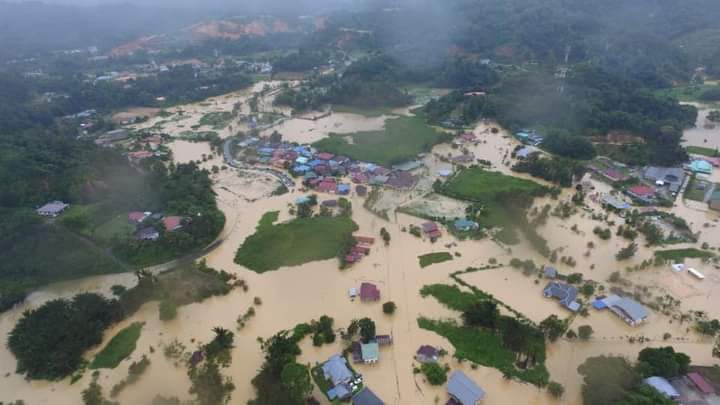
{"x":315,"y":162}
{"x":266,"y":151}
{"x":701,"y":166}
{"x":343,"y":189}
{"x":336,"y":370}
{"x":464,"y":390}
{"x":565,"y":293}
{"x":301,"y":160}
{"x":465,"y":225}
{"x":301,"y":169}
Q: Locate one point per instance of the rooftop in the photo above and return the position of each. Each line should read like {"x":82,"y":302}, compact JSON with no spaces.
{"x":366,"y":397}
{"x":370,"y":351}
{"x":565,"y":293}
{"x":464,"y":389}
{"x":662,"y":386}
{"x":336,"y":370}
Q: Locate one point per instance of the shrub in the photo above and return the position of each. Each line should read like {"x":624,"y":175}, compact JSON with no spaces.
{"x":389,"y":307}
{"x":555,"y":389}
{"x":585,"y":332}
{"x":435,"y":374}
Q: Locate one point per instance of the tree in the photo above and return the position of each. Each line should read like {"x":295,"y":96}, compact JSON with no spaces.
{"x":93,"y":394}
{"x":481,"y":313}
{"x":585,"y":332}
{"x":555,"y":389}
{"x":219,"y":348}
{"x":627,"y":252}
{"x":345,"y":207}
{"x":663,"y":362}
{"x":367,"y":329}
{"x":607,"y":380}
{"x":168,"y":310}
{"x":716,"y":348}
{"x":48,"y":342}
{"x":389,"y":307}
{"x":276,"y":137}
{"x":587,"y":289}
{"x":571,"y":334}
{"x":435,"y":374}
{"x":553,"y":327}
{"x":208,"y":385}
{"x":304,"y":210}
{"x":296,"y":380}
{"x":385,"y":236}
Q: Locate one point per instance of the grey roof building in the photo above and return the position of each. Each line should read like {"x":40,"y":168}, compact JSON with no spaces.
{"x":336,"y":370}
{"x":52,"y":209}
{"x":366,"y":397}
{"x":550,"y":272}
{"x":673,"y":177}
{"x":464,"y":390}
{"x":662,"y":386}
{"x":148,"y":233}
{"x":565,"y":293}
{"x":627,"y":309}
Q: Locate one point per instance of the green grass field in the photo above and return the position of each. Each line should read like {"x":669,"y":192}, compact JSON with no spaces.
{"x":119,"y":348}
{"x":485,"y":348}
{"x":294,"y":243}
{"x":117,"y":227}
{"x":700,"y":150}
{"x":433,"y":258}
{"x":679,"y":255}
{"x":403,"y":139}
{"x":692,"y":192}
{"x":475,"y":184}
{"x":450,"y":296}
{"x":493,"y":190}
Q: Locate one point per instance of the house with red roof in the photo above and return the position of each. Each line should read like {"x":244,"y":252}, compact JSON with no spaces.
{"x":324,"y":156}
{"x":140,"y":155}
{"x":701,"y":383}
{"x":137,"y":216}
{"x":642,"y":192}
{"x":364,"y":240}
{"x":327,"y":186}
{"x":369,"y":292}
{"x":432,"y":230}
{"x":172,"y":223}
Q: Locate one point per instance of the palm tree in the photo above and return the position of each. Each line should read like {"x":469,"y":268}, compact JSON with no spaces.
{"x":223,"y":338}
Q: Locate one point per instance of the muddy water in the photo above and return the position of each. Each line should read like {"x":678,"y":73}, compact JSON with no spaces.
{"x":185,"y":151}
{"x":309,"y":131}
{"x":293,"y":295}
{"x":701,"y":136}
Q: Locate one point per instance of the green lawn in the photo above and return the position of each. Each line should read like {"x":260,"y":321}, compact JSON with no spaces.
{"x":476,"y":184}
{"x":494,"y":191}
{"x":294,"y":243}
{"x":402,"y":139}
{"x":700,"y":150}
{"x":485,"y":348}
{"x":119,"y":348}
{"x":450,"y":295}
{"x":432,"y":258}
{"x":679,"y":255}
{"x":116,"y":227}
{"x":692,"y":192}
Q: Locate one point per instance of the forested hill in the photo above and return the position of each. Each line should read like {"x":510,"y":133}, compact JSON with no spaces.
{"x":657,"y":39}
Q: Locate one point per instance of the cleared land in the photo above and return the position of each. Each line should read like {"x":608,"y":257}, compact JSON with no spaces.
{"x":433,"y":258}
{"x":119,"y":348}
{"x":293,"y":243}
{"x":402,"y":139}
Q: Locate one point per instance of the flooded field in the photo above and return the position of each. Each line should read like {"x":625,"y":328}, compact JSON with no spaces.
{"x":299,"y":294}
{"x":701,"y":135}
